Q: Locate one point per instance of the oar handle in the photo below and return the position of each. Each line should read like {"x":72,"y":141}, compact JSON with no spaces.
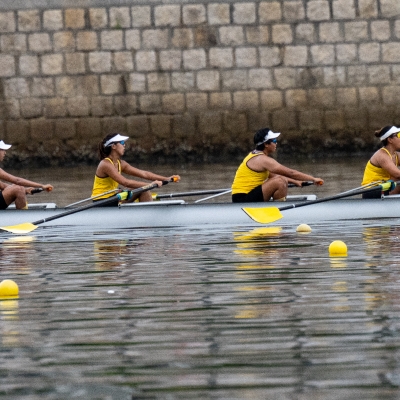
{"x":36,"y":190}
{"x":304,"y":183}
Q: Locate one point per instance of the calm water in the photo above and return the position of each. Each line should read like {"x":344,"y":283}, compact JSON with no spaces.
{"x":202,"y":314}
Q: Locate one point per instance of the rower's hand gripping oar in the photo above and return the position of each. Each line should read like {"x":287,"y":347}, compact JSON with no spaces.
{"x":266,"y":215}
{"x":27,"y":227}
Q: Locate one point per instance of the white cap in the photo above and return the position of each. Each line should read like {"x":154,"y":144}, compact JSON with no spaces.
{"x":115,"y":139}
{"x":4,"y":146}
{"x":270,"y":135}
{"x":393,"y":129}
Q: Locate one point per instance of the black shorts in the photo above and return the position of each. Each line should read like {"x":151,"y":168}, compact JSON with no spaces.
{"x":114,"y":203}
{"x":375,"y":194}
{"x":3,"y":204}
{"x":255,"y":195}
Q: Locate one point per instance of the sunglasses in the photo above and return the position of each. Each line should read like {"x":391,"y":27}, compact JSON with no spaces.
{"x":275,"y":141}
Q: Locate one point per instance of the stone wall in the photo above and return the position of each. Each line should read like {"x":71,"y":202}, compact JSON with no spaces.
{"x":195,"y":79}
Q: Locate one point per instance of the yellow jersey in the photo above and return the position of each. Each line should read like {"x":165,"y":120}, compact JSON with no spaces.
{"x":245,"y":178}
{"x":372,"y":173}
{"x":102,"y":185}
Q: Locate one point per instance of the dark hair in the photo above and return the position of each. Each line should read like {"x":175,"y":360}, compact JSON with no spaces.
{"x":105,"y":151}
{"x":380,"y":132}
{"x":259,"y":137}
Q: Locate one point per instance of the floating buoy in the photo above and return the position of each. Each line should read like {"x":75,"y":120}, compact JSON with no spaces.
{"x":303,"y":228}
{"x":338,"y":248}
{"x":8,"y":288}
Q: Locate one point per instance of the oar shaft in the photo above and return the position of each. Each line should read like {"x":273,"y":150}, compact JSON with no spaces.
{"x":196,"y":193}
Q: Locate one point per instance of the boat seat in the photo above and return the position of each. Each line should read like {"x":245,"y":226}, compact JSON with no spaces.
{"x":35,"y":206}
{"x":154,"y":203}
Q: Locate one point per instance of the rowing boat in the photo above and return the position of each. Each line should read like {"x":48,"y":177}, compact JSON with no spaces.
{"x":178,"y":213}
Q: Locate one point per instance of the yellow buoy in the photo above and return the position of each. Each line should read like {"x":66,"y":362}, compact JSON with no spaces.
{"x":338,"y":248}
{"x":303,"y":228}
{"x":8,"y":288}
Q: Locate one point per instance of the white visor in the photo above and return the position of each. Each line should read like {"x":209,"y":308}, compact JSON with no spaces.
{"x":4,"y":146}
{"x":115,"y":139}
{"x":393,"y":129}
{"x":270,"y":135}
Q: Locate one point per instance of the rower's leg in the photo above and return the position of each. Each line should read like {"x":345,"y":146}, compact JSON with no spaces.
{"x":275,"y":187}
{"x":15,"y":193}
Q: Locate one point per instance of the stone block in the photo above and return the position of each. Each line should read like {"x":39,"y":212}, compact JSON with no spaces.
{"x":318,"y":10}
{"x":101,"y":106}
{"x":120,"y":17}
{"x":296,"y":99}
{"x":39,"y":42}
{"x":356,"y":31}
{"x":125,"y":105}
{"x":246,"y":57}
{"x":379,"y":74}
{"x":146,"y":61}
{"x":75,"y":63}
{"x":100,"y":61}
{"x":182,"y":38}
{"x":231,"y":35}
{"x":86,"y":40}
{"x":158,"y":82}
{"x":270,"y":56}
{"x":346,"y":97}
{"x":334,"y":120}
{"x":98,"y":18}
{"x":344,"y":9}
{"x":390,"y":52}
{"x":208,"y":80}
{"x":110,"y":84}
{"x":132,"y":39}
{"x":245,"y":100}
{"x":41,"y":129}
{"x":113,"y":124}
{"x":293,"y":11}
{"x":64,"y":128}
{"x":220,"y":57}
{"x":182,"y":81}
{"x":210,"y":123}
{"x":235,"y":79}
{"x":205,"y":36}
{"x":54,"y":107}
{"x":330,"y":32}
{"x":53,"y":20}
{"x":167,"y":15}
{"x":78,"y":106}
{"x":283,"y":120}
{"x":369,"y":52}
{"x":123,"y":61}
{"x":256,"y":120}
{"x":380,"y":31}
{"x":137,"y":83}
{"x":43,"y":87}
{"x":170,"y":60}
{"x":282,"y":34}
{"x":28,"y":20}
{"x":368,"y":8}
{"x":16,"y":88}
{"x":260,"y":78}
{"x":221,"y":100}
{"x":310,"y":120}
{"x":160,"y":126}
{"x":323,"y":54}
{"x":324,"y":98}
{"x":346,"y":54}
{"x":257,"y":35}
{"x":295,"y":56}
{"x":194,"y":59}
{"x":269,"y":11}
{"x":18,"y":131}
{"x":89,"y":127}
{"x":244,"y":13}
{"x":356,"y":118}
{"x":196,"y":102}
{"x":193,"y":14}
{"x":66,"y":86}
{"x":111,"y":40}
{"x":138,"y":126}
{"x":7,"y":63}
{"x":234,"y":123}
{"x":7,"y":22}
{"x":74,"y":18}
{"x":141,"y":16}
{"x":173,"y":103}
{"x":357,"y":75}
{"x":28,"y":65}
{"x":31,"y":108}
{"x":13,"y":43}
{"x":155,"y":38}
{"x":368,"y":95}
{"x":10,"y":109}
{"x":150,"y":103}
{"x":271,"y":99}
{"x":183,"y":126}
{"x":52,"y":64}
{"x":218,"y":14}
{"x":305,"y":33}
{"x":64,"y":41}
{"x":390,"y":8}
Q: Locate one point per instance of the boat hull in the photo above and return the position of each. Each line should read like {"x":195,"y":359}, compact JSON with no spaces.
{"x":158,"y":214}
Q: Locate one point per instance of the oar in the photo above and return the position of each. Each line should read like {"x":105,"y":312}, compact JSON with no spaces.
{"x":266,"y":215}
{"x":93,"y":197}
{"x":27,"y":227}
{"x":183,"y":194}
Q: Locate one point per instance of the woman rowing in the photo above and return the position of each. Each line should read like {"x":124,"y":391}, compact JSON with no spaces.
{"x":383,"y":165}
{"x":109,"y":171}
{"x":260,"y":177}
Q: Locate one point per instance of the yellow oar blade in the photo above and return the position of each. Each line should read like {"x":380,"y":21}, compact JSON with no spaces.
{"x":264,"y":215}
{"x":21,"y":228}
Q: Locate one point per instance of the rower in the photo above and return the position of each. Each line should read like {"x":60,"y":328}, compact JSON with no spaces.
{"x":260,"y":177}
{"x":384,"y":163}
{"x":17,"y":188}
{"x":109,"y":172}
